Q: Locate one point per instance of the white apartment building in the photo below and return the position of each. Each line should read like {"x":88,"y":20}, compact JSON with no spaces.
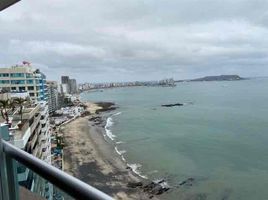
{"x":24,"y":78}
{"x":34,"y":135}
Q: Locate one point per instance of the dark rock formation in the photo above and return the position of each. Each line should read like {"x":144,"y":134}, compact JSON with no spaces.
{"x":134,"y":184}
{"x":156,"y":187}
{"x":105,"y":106}
{"x":172,"y":105}
{"x":188,"y":182}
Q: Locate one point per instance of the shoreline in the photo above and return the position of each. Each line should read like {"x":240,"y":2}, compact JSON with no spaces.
{"x":91,"y":157}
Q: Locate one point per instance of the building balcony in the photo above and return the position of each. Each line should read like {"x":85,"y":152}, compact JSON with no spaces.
{"x":45,"y":128}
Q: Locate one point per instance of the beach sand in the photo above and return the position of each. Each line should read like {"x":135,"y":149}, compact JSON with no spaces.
{"x":89,"y":157}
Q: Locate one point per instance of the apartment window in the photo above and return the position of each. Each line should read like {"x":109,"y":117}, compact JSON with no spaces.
{"x":30,"y":81}
{"x":17,"y":75}
{"x":4,"y":75}
{"x":29,"y":76}
{"x":4,"y":82}
{"x":13,"y":88}
{"x":30,"y":87}
{"x":21,"y":88}
{"x":17,"y":82}
{"x":31,"y":94}
{"x":37,"y":88}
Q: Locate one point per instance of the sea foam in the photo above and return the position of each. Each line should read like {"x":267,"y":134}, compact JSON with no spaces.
{"x":119,"y":152}
{"x":119,"y":113}
{"x":136,"y":169}
{"x":109,"y":133}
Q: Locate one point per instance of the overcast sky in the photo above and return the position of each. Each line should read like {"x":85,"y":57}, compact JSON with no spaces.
{"x":120,"y":40}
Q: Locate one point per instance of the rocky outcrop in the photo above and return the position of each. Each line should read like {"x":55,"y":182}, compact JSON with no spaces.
{"x":188,"y":182}
{"x":134,"y":184}
{"x":172,"y":105}
{"x":105,"y":106}
{"x":153,"y":188}
{"x":156,"y":187}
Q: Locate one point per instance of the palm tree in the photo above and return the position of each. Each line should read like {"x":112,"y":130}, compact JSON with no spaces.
{"x":4,"y":106}
{"x":20,"y":102}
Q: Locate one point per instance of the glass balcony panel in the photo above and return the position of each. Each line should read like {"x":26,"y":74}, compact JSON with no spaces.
{"x":34,"y":187}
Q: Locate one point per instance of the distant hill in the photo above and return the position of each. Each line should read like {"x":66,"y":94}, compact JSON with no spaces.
{"x":217,"y":78}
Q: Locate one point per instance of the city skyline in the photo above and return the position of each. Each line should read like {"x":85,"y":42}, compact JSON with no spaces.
{"x":137,"y":40}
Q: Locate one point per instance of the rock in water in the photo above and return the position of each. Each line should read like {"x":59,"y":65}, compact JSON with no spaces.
{"x":156,"y":187}
{"x":172,"y":105}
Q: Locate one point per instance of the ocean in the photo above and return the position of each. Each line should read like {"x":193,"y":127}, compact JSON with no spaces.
{"x":219,"y":137}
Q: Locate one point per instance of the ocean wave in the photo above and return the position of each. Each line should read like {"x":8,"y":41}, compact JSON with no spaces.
{"x":109,"y":122}
{"x":136,"y":169}
{"x":119,"y":113}
{"x":120,"y":152}
{"x":109,"y":133}
{"x":123,"y":158}
{"x":153,"y":172}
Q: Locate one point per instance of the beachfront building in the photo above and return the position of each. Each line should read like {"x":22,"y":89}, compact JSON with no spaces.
{"x":22,"y":78}
{"x":25,"y":131}
{"x":65,"y":86}
{"x":32,"y":132}
{"x":64,"y":89}
{"x":74,"y":111}
{"x":73,"y":86}
{"x":68,"y":86}
{"x":53,"y":96}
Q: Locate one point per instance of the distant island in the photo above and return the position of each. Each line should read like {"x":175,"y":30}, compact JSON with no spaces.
{"x":217,"y":78}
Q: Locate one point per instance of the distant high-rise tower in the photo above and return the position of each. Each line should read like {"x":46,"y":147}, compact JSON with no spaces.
{"x":73,"y":86}
{"x":65,"y":79}
{"x":53,"y":101}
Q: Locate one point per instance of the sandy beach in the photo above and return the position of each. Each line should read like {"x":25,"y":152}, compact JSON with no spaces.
{"x":89,"y":157}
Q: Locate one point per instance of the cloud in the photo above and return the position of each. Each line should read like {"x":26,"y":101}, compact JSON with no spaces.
{"x":136,"y":39}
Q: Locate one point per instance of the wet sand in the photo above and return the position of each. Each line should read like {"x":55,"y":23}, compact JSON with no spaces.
{"x":89,"y":157}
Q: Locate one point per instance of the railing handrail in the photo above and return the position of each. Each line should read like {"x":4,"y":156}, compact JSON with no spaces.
{"x":67,"y":183}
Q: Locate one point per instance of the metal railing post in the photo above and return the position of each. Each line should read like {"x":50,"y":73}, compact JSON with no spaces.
{"x":72,"y":186}
{"x":12,"y":178}
{"x":3,"y":177}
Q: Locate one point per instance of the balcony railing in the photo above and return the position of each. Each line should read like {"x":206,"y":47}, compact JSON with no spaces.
{"x":9,"y":187}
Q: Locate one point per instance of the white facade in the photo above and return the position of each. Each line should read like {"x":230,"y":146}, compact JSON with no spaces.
{"x":65,"y":89}
{"x":34,"y":136}
{"x":23,"y":78}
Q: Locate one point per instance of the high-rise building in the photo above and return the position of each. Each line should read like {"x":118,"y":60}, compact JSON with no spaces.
{"x":32,"y":134}
{"x":64,"y":79}
{"x":68,"y":86}
{"x":24,"y":78}
{"x":53,"y":96}
{"x":73,"y":86}
{"x":29,"y":131}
